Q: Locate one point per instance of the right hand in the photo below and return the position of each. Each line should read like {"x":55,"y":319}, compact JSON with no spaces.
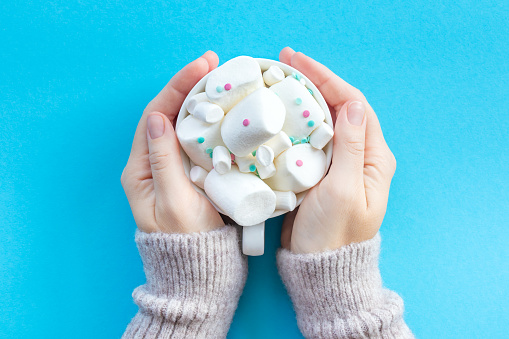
{"x":159,"y":193}
{"x":349,"y":204}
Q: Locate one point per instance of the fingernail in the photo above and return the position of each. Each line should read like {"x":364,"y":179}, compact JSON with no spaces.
{"x":155,"y":125}
{"x":355,"y":113}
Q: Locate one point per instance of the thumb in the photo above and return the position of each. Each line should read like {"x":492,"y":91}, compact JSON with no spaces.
{"x":164,"y":156}
{"x":349,"y":144}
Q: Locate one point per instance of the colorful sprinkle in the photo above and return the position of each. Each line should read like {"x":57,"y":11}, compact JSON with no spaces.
{"x":311,"y":123}
{"x":253,"y":153}
{"x":305,"y":113}
{"x":232,"y":156}
{"x":210,"y":155}
{"x":303,"y":140}
{"x":252,"y":168}
{"x":228,"y":87}
{"x":310,"y":91}
{"x":292,"y":139}
{"x":219,"y":89}
{"x":299,"y":163}
{"x":296,"y":142}
{"x":201,"y":140}
{"x":298,"y":101}
{"x":208,"y":150}
{"x":245,"y":122}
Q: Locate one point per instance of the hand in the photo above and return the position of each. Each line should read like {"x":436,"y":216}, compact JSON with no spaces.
{"x":349,"y":204}
{"x":159,"y":193}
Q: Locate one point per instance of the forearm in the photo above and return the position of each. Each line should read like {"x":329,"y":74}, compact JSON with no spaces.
{"x":339,"y":294}
{"x":194,"y":282}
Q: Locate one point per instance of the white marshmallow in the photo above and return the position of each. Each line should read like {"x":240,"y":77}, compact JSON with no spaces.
{"x":198,"y":175}
{"x":264,"y":155}
{"x":244,"y":76}
{"x":243,"y":197}
{"x":265,"y":172}
{"x":286,"y":201}
{"x":221,"y":159}
{"x":208,"y":112}
{"x":292,"y":177}
{"x":190,"y":130}
{"x":279,"y":143}
{"x":273,"y":75}
{"x":253,"y":239}
{"x":321,"y":136}
{"x":245,"y":163}
{"x":291,"y":92}
{"x":253,"y":121}
{"x":195,"y":100}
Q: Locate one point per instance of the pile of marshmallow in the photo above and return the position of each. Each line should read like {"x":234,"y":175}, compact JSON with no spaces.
{"x":254,"y":140}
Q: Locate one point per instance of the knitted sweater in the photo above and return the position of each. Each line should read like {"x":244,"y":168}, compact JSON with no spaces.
{"x":194,"y":282}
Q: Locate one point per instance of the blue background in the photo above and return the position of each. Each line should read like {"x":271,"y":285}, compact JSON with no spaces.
{"x":75,"y":77}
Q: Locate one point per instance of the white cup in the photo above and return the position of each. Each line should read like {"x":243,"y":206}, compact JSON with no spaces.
{"x":253,"y":241}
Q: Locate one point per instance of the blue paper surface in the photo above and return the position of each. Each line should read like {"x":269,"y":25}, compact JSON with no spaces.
{"x":75,"y":77}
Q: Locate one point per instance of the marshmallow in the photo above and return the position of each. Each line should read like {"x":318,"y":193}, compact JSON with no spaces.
{"x":281,"y":142}
{"x":198,"y":175}
{"x":221,"y":159}
{"x":233,"y":81}
{"x":243,"y":197}
{"x":253,"y":239}
{"x":195,"y":99}
{"x":264,"y":155}
{"x":246,"y":164}
{"x":198,"y":139}
{"x":253,"y":121}
{"x":321,"y":136}
{"x":286,"y":201}
{"x":208,"y":112}
{"x":273,"y":75}
{"x":298,"y":169}
{"x":303,"y":113}
{"x":265,"y":172}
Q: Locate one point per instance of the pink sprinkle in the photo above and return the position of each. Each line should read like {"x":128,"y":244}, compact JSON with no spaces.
{"x":228,"y":87}
{"x":245,"y":122}
{"x":232,"y":156}
{"x":305,"y":113}
{"x":299,"y":163}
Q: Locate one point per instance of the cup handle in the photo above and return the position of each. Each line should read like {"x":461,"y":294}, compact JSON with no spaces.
{"x":253,"y":239}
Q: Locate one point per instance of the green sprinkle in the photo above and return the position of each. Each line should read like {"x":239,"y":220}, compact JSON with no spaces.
{"x":253,"y":153}
{"x":292,"y":139}
{"x":298,"y":101}
{"x":296,"y":142}
{"x":209,"y":150}
{"x":252,"y":168}
{"x":303,"y":140}
{"x":219,"y":89}
{"x":210,"y":155}
{"x":311,"y":123}
{"x":297,"y":76}
{"x":310,"y":91}
{"x":201,"y":140}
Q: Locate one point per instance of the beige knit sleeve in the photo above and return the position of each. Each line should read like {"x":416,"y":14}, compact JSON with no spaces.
{"x":194,"y":282}
{"x":339,"y":293}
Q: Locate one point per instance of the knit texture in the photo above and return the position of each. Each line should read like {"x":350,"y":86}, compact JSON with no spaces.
{"x":339,"y":293}
{"x":194,"y":282}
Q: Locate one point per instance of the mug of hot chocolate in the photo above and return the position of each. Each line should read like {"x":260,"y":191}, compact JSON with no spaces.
{"x":255,"y":137}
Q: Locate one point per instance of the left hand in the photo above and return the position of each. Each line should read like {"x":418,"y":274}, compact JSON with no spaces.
{"x":159,"y":193}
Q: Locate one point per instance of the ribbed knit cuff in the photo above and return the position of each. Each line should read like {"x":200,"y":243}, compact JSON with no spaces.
{"x":193,"y":284}
{"x":339,"y":294}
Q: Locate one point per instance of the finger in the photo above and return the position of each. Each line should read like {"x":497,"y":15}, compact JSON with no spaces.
{"x":349,"y":144}
{"x":285,"y":56}
{"x":164,"y":157}
{"x":171,"y":97}
{"x":286,"y":229}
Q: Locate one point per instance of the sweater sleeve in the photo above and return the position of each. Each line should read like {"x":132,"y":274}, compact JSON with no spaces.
{"x":193,"y":285}
{"x":339,"y":293}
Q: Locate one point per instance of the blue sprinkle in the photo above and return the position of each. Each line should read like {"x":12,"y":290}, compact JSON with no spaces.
{"x":219,"y":89}
{"x":311,"y":123}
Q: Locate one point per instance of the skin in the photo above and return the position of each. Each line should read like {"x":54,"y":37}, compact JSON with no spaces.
{"x":347,"y":206}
